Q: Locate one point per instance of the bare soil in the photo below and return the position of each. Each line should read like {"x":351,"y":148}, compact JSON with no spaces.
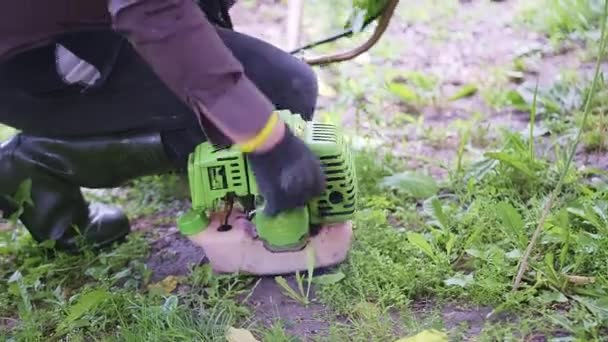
{"x":271,"y":305}
{"x":173,"y":254}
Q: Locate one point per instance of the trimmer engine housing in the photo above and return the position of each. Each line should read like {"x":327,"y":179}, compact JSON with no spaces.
{"x":222,"y":176}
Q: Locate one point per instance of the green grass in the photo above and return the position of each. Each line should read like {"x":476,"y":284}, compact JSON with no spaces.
{"x":564,"y":19}
{"x":561,"y":105}
{"x":470,"y":236}
{"x":469,"y":258}
{"x":472,"y":257}
{"x":108,"y":296}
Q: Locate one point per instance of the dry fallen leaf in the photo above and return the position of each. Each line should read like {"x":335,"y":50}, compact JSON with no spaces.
{"x":167,"y":285}
{"x":580,"y":280}
{"x":240,"y":335}
{"x":426,"y":336}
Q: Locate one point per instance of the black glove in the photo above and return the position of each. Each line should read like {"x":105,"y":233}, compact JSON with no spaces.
{"x":288,"y":176}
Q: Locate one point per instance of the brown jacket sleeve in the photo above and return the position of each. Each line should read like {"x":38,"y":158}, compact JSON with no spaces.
{"x":183,"y":48}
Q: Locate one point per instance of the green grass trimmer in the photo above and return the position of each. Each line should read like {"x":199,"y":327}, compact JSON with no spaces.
{"x":227,"y":217}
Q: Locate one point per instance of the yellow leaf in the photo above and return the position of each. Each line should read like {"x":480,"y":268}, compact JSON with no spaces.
{"x":240,"y":335}
{"x":169,"y":284}
{"x":580,"y":280}
{"x":166,"y":285}
{"x":426,"y":336}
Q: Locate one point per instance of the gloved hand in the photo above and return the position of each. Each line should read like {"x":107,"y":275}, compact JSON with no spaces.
{"x":288,"y":175}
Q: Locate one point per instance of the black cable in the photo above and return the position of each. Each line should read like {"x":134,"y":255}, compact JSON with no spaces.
{"x":225,"y":227}
{"x":343,"y":34}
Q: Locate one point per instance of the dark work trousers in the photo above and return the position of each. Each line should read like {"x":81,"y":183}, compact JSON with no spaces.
{"x":134,"y":99}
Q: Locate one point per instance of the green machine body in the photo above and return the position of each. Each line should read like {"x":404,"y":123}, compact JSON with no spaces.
{"x":218,"y":177}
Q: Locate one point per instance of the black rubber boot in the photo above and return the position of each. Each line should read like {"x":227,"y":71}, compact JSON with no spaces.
{"x":58,"y":168}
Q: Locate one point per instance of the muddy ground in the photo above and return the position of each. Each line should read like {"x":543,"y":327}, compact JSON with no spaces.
{"x":486,"y":37}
